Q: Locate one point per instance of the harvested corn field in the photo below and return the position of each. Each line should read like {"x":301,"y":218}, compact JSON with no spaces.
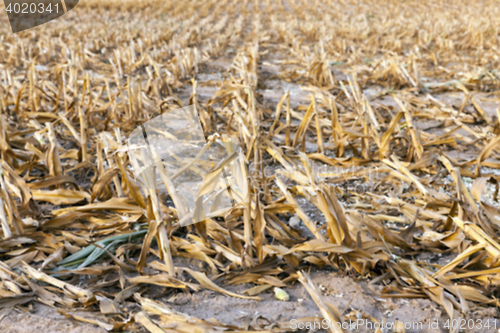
{"x":370,"y":143}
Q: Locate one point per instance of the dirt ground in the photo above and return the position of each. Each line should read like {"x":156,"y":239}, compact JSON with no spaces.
{"x":355,"y":299}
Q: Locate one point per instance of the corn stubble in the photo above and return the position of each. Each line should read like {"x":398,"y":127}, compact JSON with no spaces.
{"x":73,"y":90}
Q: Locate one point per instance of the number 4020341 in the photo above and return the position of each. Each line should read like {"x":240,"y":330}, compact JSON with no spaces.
{"x":31,"y":8}
{"x":462,"y":324}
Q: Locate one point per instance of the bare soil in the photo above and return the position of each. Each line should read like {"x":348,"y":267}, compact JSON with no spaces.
{"x":355,"y":299}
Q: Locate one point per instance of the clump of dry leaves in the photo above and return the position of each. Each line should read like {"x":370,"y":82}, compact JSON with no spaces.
{"x":391,"y":137}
